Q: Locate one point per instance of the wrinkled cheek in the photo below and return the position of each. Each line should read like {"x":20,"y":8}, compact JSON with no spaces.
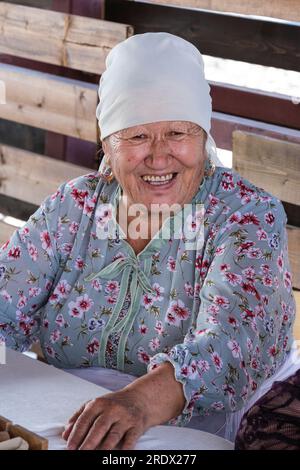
{"x":132,"y":185}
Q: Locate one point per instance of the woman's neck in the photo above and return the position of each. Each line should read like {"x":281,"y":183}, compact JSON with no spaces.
{"x":139,"y":228}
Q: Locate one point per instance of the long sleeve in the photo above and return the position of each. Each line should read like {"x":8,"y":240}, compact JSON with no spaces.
{"x":28,"y":264}
{"x":242,"y":332}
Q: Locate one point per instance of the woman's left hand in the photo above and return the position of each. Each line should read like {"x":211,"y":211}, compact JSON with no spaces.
{"x":115,"y":420}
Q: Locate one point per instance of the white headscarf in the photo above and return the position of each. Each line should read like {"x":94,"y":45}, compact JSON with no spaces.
{"x":154,"y":77}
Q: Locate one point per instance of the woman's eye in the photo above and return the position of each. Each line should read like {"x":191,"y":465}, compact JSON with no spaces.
{"x":139,"y":137}
{"x":176,"y":133}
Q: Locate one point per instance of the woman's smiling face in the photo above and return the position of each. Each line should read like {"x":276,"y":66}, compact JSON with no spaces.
{"x":156,"y":163}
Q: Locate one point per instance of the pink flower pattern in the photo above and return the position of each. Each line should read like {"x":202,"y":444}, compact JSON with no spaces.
{"x":222,"y":315}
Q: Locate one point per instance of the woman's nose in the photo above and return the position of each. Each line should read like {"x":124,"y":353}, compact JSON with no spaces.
{"x":159,"y":154}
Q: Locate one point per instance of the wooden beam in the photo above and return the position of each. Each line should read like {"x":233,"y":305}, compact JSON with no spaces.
{"x":293,"y":213}
{"x":64,"y":6}
{"x":82,"y":153}
{"x":223,"y":125}
{"x":259,"y":41}
{"x":46,"y":4}
{"x":35,"y":441}
{"x":49,"y":68}
{"x":284,"y":9}
{"x":91,"y":8}
{"x":270,"y":163}
{"x":68,"y":148}
{"x":31,"y":177}
{"x":16,"y":208}
{"x":294,"y":246}
{"x":72,"y":41}
{"x":50,"y":102}
{"x":273,"y":108}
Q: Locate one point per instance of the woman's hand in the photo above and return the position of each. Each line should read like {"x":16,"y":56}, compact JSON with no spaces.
{"x":118,"y":419}
{"x":115,"y":420}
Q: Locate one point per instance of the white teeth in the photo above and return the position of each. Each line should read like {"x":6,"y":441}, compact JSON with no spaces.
{"x":156,"y":179}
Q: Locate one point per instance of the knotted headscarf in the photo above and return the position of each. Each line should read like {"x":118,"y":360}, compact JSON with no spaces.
{"x":154,"y":77}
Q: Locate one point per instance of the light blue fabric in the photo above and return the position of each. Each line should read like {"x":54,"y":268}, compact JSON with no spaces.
{"x":221,"y":314}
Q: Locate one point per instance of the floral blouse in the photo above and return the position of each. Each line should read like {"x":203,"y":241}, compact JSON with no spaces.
{"x":222,"y":314}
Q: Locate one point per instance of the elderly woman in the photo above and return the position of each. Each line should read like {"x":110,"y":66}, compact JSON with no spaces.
{"x":201,"y":323}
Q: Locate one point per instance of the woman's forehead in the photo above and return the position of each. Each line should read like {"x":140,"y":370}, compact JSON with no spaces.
{"x":160,"y":126}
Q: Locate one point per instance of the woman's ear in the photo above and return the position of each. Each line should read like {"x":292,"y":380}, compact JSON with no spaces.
{"x":105,"y":146}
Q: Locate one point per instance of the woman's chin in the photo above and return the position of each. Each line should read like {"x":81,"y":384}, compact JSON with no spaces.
{"x":153,"y":204}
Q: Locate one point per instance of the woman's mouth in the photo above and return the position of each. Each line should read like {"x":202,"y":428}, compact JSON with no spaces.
{"x":163,"y":181}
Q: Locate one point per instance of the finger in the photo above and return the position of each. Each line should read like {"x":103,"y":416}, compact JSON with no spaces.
{"x":70,"y":423}
{"x":81,"y":427}
{"x":97,"y":432}
{"x":67,"y":431}
{"x":130,"y":439}
{"x":77,"y":413}
{"x":113,"y":437}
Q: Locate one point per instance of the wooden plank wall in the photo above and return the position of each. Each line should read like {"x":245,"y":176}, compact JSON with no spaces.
{"x":271,"y":163}
{"x":255,"y":40}
{"x":64,"y":106}
{"x":57,"y":145}
{"x":73,"y":41}
{"x":23,"y":177}
{"x":284,"y":9}
{"x":235,"y":104}
{"x":23,"y":174}
{"x":54,"y":103}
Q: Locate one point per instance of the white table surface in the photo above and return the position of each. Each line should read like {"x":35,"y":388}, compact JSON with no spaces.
{"x":42,"y":398}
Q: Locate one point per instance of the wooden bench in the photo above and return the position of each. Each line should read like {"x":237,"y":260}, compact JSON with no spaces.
{"x":48,"y":101}
{"x":275,"y":166}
